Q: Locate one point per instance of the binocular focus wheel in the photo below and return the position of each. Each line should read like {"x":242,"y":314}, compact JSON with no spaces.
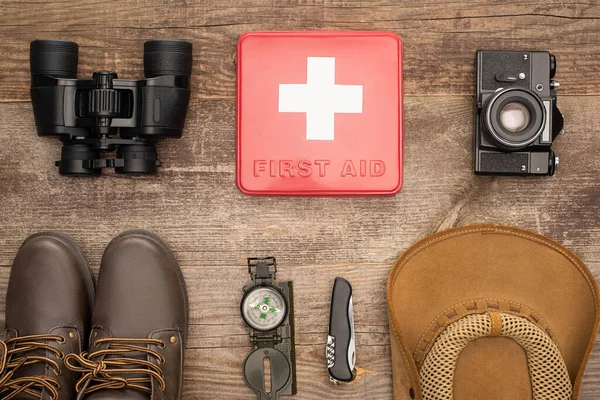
{"x":57,"y":58}
{"x":167,"y":57}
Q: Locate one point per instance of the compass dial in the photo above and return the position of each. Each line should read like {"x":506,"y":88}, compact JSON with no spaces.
{"x":264,"y":308}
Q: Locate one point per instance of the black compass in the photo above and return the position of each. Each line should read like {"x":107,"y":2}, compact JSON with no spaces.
{"x":267,"y":309}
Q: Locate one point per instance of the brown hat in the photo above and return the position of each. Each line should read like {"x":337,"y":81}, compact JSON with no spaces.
{"x":490,"y":312}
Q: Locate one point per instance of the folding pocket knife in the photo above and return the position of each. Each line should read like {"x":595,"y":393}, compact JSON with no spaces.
{"x":340,"y":350}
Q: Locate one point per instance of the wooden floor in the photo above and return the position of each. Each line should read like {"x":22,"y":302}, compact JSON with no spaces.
{"x":195,"y":206}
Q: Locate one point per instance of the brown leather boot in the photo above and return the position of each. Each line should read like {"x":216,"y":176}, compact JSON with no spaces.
{"x":48,"y":311}
{"x":139,"y":325}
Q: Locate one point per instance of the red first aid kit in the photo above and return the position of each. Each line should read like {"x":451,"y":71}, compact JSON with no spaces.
{"x":319,"y":113}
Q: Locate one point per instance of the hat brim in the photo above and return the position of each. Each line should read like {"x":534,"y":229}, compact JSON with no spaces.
{"x":459,"y":271}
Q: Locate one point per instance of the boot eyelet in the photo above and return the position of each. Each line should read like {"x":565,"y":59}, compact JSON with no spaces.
{"x":58,"y":372}
{"x":162,"y":345}
{"x":96,"y":344}
{"x":62,"y":340}
{"x":162,"y":361}
{"x":61,"y":356}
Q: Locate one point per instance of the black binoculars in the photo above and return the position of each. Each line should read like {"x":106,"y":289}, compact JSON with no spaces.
{"x":87,"y":114}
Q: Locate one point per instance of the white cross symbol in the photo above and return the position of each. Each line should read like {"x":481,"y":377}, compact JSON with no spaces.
{"x":320,"y":98}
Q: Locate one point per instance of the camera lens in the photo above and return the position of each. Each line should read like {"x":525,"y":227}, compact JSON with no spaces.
{"x":56,"y":58}
{"x":514,"y":117}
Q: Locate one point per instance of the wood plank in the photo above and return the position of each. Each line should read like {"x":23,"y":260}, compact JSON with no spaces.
{"x":194,"y":204}
{"x":440,"y":38}
{"x":207,"y":220}
{"x":218,"y":341}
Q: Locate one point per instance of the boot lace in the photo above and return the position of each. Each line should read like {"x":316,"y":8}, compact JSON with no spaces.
{"x":15,"y":355}
{"x":115,"y":368}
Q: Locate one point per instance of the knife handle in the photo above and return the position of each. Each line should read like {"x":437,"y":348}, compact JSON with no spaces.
{"x":340,"y":351}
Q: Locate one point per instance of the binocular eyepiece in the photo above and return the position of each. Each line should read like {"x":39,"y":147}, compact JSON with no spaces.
{"x":105,"y":113}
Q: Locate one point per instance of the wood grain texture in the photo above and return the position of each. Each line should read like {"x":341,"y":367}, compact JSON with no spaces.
{"x":440,"y":38}
{"x":193,"y":202}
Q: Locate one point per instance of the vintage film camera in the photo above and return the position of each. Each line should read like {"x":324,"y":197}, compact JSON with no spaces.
{"x":86,"y":114}
{"x":517,"y":116}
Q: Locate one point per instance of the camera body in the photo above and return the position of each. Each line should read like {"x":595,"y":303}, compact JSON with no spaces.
{"x":88,"y":114}
{"x":517,"y":116}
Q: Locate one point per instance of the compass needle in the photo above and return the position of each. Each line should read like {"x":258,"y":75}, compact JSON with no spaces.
{"x":264,"y":308}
